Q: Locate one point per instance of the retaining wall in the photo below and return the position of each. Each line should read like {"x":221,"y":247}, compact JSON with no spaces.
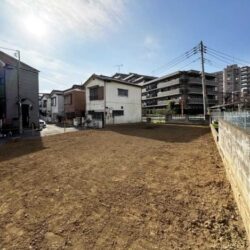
{"x":234,"y":146}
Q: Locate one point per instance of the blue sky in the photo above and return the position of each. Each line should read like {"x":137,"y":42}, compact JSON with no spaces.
{"x":69,"y":40}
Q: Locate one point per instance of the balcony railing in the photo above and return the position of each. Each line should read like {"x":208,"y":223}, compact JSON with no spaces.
{"x":199,"y":91}
{"x":200,"y":101}
{"x":168,"y":83}
{"x":169,"y":92}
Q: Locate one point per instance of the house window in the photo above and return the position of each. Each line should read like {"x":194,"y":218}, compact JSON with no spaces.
{"x":44,"y":103}
{"x":96,"y":93}
{"x":118,"y":112}
{"x":68,"y":99}
{"x":53,"y":101}
{"x":122,"y":92}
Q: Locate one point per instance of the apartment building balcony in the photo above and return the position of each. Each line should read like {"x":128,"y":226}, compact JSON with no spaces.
{"x":193,"y":80}
{"x":200,"y":101}
{"x":165,"y":102}
{"x":169,"y":92}
{"x":194,"y":90}
{"x":168,"y":83}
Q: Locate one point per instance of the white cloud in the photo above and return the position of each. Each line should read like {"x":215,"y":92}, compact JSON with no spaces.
{"x":85,"y":18}
{"x":43,"y":26}
{"x":151,"y":46}
{"x":54,"y":73}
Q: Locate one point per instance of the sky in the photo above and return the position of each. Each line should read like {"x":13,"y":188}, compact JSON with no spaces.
{"x":69,"y":40}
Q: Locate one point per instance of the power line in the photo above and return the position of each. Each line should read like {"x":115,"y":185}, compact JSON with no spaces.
{"x":219,"y":58}
{"x":178,"y":59}
{"x":228,"y":56}
{"x":190,"y":63}
{"x":211,"y":62}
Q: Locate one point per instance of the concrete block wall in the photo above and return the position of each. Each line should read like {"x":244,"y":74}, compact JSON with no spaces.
{"x":234,"y":146}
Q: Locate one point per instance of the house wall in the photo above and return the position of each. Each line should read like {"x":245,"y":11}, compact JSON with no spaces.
{"x":78,"y":102}
{"x":131,"y":104}
{"x":58,"y":109}
{"x":46,"y":109}
{"x":97,"y":105}
{"x":28,"y":90}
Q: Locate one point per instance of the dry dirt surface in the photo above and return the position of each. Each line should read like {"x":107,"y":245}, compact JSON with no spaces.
{"x":125,"y":187}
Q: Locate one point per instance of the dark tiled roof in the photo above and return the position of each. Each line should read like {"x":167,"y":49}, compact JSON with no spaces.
{"x":110,"y":79}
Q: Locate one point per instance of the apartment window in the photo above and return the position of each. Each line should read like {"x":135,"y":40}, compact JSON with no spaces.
{"x":96,"y":93}
{"x":53,"y":101}
{"x":118,"y":112}
{"x":122,"y":92}
{"x":68,"y":99}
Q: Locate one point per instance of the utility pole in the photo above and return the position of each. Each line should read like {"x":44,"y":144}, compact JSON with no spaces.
{"x":203,"y":79}
{"x":19,"y":101}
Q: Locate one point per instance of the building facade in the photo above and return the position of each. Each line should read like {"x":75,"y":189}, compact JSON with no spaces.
{"x":233,"y":83}
{"x":57,"y":105}
{"x":74,"y":102}
{"x":112,"y":101}
{"x":183,"y":89}
{"x":14,"y":95}
{"x":45,"y":107}
{"x":245,"y":79}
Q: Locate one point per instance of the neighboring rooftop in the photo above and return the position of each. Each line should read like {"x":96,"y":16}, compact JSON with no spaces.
{"x":110,"y":79}
{"x":177,"y":73}
{"x":12,"y":61}
{"x":133,"y":77}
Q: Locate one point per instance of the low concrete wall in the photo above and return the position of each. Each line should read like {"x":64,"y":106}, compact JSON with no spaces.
{"x":234,"y":146}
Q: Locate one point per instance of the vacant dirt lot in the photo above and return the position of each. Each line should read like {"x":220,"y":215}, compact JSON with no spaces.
{"x":125,"y":187}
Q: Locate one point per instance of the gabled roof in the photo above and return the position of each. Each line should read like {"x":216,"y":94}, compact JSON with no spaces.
{"x":12,"y":61}
{"x":109,"y":79}
{"x":58,"y":92}
{"x":74,"y":87}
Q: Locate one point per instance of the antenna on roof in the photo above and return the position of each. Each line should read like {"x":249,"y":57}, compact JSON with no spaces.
{"x":119,"y":67}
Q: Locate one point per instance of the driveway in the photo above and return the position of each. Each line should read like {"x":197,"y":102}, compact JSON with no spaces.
{"x":53,"y":129}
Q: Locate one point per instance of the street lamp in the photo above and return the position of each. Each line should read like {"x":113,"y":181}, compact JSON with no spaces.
{"x":19,"y":102}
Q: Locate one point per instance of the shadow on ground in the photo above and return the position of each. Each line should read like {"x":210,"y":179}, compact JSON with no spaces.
{"x":18,"y":147}
{"x":167,"y":132}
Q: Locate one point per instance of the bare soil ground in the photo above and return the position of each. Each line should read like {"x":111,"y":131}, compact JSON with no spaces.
{"x":125,"y":187}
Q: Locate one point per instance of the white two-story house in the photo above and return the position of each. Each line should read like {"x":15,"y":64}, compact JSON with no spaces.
{"x":112,"y":101}
{"x":57,"y":105}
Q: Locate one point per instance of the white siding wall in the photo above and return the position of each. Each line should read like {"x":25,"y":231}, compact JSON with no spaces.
{"x":94,"y":105}
{"x":131,"y":104}
{"x":58,"y":109}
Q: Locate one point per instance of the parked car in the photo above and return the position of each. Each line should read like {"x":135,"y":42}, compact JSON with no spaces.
{"x":42,"y":124}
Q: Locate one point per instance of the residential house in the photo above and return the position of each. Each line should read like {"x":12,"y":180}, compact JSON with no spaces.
{"x":57,"y":105}
{"x":45,"y":109}
{"x":74,"y":102}
{"x":113,"y":101}
{"x":18,"y":102}
{"x":183,"y":88}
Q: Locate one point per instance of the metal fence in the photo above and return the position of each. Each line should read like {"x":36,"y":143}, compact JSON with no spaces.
{"x":196,"y":119}
{"x":240,"y":119}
